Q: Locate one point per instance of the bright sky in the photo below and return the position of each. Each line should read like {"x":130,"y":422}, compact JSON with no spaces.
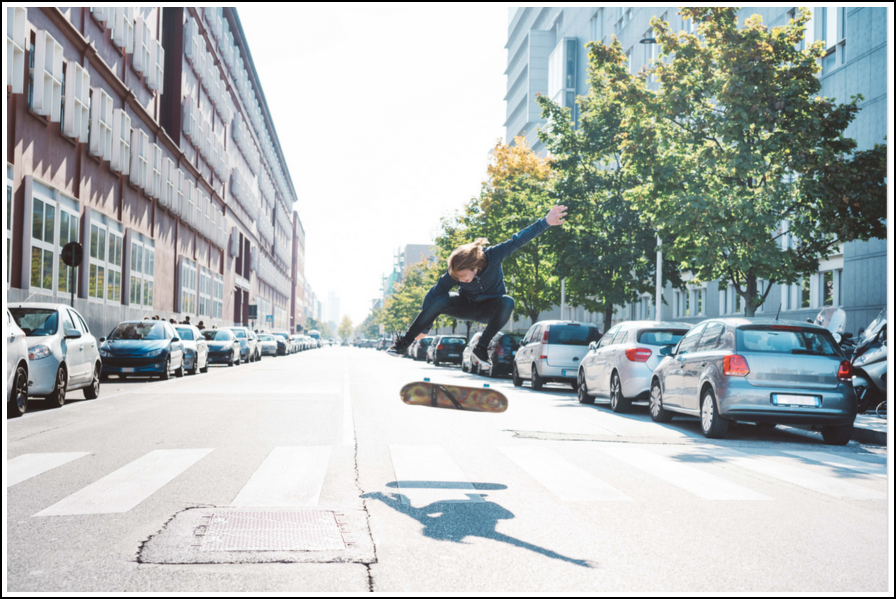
{"x":386,"y":114}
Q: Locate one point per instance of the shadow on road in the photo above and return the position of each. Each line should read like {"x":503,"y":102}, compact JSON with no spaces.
{"x":456,"y":520}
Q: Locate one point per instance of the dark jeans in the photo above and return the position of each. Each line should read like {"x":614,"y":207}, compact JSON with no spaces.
{"x":493,"y":312}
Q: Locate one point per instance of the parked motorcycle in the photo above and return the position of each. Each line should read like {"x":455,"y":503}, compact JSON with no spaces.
{"x":870,"y":364}
{"x":834,"y":320}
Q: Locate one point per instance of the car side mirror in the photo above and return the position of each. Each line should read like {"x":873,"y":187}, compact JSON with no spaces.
{"x":592,"y":346}
{"x":666,"y":350}
{"x":73,"y":334}
{"x":175,"y":340}
{"x":102,"y":339}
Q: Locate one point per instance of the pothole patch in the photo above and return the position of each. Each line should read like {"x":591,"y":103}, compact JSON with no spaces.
{"x":261,"y":535}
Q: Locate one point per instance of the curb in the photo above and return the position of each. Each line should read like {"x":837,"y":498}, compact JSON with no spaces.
{"x":859,"y":435}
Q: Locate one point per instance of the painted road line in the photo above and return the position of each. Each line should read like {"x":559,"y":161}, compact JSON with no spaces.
{"x":826,"y":484}
{"x":129,"y":485}
{"x":426,"y":474}
{"x":693,"y":480}
{"x":29,"y":465}
{"x":560,"y":476}
{"x":837,"y":461}
{"x":288,"y":477}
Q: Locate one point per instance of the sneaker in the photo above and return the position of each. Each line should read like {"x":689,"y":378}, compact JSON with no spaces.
{"x":398,"y":348}
{"x":481,"y":355}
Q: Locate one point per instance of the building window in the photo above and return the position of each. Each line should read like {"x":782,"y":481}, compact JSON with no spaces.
{"x":698,"y":302}
{"x":760,"y":290}
{"x":44,"y":208}
{"x":833,"y":27}
{"x":106,"y":249}
{"x":113,"y":267}
{"x":806,"y":292}
{"x":597,"y":25}
{"x":723,"y":302}
{"x":205,"y":292}
{"x":43,"y":228}
{"x":628,"y":56}
{"x":142,"y":258}
{"x":97,"y":259}
{"x":68,"y":232}
{"x":187,"y":287}
{"x":31,"y":75}
{"x":218,"y":296}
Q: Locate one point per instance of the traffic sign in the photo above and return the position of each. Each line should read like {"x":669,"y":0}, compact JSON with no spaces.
{"x":72,"y":254}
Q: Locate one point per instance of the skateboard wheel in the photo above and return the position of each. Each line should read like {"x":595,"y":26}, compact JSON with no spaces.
{"x":486,"y":385}
{"x":425,"y":380}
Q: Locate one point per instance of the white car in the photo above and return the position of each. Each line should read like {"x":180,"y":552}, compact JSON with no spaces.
{"x":621,"y":365}
{"x":268,"y":344}
{"x":16,"y":369}
{"x":551,"y":352}
{"x":195,"y":348}
{"x":62,"y":354}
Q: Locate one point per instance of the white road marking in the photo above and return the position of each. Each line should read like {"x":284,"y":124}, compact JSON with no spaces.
{"x":821,"y":483}
{"x":125,"y":488}
{"x":31,"y":464}
{"x":427,"y":474}
{"x":693,"y":480}
{"x":288,"y":477}
{"x":561,"y":477}
{"x":837,"y":461}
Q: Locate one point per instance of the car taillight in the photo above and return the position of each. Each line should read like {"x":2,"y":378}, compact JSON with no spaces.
{"x":846,"y":372}
{"x":735,"y":366}
{"x":440,"y":347}
{"x":547,"y":330}
{"x":778,"y":327}
{"x":638,"y":354}
{"x":501,"y":351}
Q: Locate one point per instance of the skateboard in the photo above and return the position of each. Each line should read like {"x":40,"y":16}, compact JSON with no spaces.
{"x":471,"y":399}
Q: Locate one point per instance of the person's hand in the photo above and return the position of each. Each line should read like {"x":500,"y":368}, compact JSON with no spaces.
{"x":556,"y":216}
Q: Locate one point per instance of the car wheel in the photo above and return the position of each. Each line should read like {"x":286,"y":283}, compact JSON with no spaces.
{"x":537,"y":381}
{"x":166,"y":372}
{"x":56,"y":399}
{"x":93,"y":391}
{"x":493,"y":371}
{"x":713,"y":425}
{"x":230,"y":363}
{"x":583,"y":390}
{"x":179,"y":373}
{"x":657,"y":412}
{"x":618,"y":402}
{"x":195,"y":369}
{"x":204,"y":368}
{"x":479,"y":368}
{"x":463,"y":366}
{"x":836,"y":435}
{"x":19,"y":404}
{"x":517,"y":379}
{"x":435,"y":361}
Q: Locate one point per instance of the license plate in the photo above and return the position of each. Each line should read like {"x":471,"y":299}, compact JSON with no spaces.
{"x":453,"y":355}
{"x":127,"y":370}
{"x":570,"y":373}
{"x":796,"y":400}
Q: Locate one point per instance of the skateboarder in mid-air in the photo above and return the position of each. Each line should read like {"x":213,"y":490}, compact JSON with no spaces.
{"x":483,"y":296}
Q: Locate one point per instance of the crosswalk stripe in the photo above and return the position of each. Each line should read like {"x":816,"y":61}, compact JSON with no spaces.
{"x":30,"y":465}
{"x":837,"y":461}
{"x":693,"y":480}
{"x":123,"y":489}
{"x":809,"y":479}
{"x":426,"y":474}
{"x":561,"y":477}
{"x":288,"y":477}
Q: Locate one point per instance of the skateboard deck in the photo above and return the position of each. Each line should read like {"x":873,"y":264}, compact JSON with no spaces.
{"x":454,"y":397}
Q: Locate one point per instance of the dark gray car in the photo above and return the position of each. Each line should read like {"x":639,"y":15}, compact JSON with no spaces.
{"x":763,"y":371}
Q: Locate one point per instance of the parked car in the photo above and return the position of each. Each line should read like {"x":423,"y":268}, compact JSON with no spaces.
{"x":248,"y":349}
{"x":502,"y":350}
{"x":195,"y":348}
{"x":551,"y":352}
{"x":16,"y":368}
{"x":284,"y":343}
{"x":446,"y":348}
{"x":619,"y":367}
{"x":268,"y":344}
{"x":62,"y":354}
{"x":141,"y":348}
{"x":254,"y":336}
{"x":763,"y":371}
{"x":297,"y":343}
{"x":418,"y":352}
{"x":223,"y":346}
{"x":466,"y":359}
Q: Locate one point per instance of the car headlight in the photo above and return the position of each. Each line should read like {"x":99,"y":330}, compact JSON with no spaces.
{"x":155,"y":353}
{"x":105,"y":353}
{"x":38,"y":352}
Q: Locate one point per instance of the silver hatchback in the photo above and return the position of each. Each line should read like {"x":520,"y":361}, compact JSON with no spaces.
{"x":763,"y":371}
{"x":551,"y":352}
{"x":620,"y":366}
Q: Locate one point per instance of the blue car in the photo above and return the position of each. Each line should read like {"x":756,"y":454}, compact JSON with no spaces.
{"x":223,"y":347}
{"x":143,"y":348}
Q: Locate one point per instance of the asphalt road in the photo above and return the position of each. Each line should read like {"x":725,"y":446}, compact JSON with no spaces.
{"x":141,"y":489}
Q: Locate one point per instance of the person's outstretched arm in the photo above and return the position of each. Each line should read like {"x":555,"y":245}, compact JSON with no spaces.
{"x":556,"y":216}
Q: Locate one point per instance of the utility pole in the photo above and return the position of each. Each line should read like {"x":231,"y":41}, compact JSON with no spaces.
{"x":659,"y":278}
{"x":563,"y":299}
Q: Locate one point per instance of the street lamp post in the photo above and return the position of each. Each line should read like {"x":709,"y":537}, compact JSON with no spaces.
{"x":659,"y":277}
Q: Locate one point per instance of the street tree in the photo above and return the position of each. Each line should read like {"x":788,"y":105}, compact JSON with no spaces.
{"x":606,"y":252}
{"x":738,"y":153}
{"x":345,"y":328}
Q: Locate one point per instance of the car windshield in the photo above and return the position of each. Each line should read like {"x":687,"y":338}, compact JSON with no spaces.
{"x":36,"y":322}
{"x":140,"y":331}
{"x":265,"y":338}
{"x":661,"y":336}
{"x":572,"y":334}
{"x":282,"y":336}
{"x":453,"y":341}
{"x":239,"y":333}
{"x":185,"y":334}
{"x":511,"y":340}
{"x":217,"y":335}
{"x":425,"y":341}
{"x":783,"y":339}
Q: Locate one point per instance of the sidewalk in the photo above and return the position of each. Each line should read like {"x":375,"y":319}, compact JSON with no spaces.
{"x":867,"y":429}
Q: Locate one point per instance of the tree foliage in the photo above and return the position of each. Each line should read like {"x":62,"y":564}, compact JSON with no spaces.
{"x":345,"y":328}
{"x":737,"y":151}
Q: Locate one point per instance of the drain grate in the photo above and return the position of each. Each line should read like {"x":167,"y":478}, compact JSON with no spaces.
{"x":260,"y":530}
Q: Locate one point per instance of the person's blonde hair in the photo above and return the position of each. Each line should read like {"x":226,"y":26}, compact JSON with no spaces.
{"x":467,"y":257}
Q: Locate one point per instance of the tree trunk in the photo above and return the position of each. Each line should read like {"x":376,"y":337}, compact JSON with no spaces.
{"x":468,"y":323}
{"x":750,"y":296}
{"x":533,"y":315}
{"x":608,"y":317}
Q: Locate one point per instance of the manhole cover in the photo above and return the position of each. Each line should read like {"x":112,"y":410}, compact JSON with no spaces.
{"x":307,"y":530}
